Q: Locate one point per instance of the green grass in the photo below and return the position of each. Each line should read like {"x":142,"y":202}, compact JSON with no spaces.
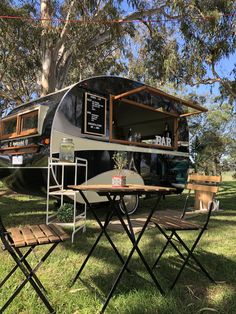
{"x":193,"y":293}
{"x":227,"y":176}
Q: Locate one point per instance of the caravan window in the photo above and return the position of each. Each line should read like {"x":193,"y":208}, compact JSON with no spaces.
{"x":8,"y":127}
{"x":20,"y":125}
{"x":29,"y":123}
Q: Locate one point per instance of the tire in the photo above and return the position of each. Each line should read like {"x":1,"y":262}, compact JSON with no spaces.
{"x":131,"y":203}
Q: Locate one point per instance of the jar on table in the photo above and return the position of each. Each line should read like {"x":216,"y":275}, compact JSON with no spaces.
{"x":67,"y":150}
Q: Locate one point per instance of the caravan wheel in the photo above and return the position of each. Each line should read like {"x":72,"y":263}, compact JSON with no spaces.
{"x":131,"y":203}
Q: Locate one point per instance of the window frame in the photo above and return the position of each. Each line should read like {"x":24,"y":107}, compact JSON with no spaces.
{"x":19,"y":123}
{"x":28,"y":114}
{"x":9,"y":135}
{"x":169,"y":115}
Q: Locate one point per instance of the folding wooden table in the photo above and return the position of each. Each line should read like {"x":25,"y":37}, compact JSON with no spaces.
{"x":113,"y":194}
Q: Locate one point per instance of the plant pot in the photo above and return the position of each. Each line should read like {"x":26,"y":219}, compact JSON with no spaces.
{"x":118,"y":181}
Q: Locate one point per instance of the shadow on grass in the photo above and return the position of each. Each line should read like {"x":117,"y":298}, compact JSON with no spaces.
{"x":192,"y":290}
{"x":192,"y":286}
{"x":16,"y":210}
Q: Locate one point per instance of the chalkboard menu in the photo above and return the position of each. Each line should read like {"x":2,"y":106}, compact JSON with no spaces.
{"x":95,"y":114}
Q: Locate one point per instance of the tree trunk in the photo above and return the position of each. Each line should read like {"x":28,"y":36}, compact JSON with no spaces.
{"x":56,"y":58}
{"x":47,"y":49}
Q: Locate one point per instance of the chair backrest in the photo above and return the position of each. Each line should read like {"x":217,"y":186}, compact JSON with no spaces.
{"x":203,"y":179}
{"x":205,"y":188}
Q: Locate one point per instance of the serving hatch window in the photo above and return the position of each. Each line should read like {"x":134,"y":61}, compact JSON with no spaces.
{"x":149,"y":117}
{"x":142,"y":125}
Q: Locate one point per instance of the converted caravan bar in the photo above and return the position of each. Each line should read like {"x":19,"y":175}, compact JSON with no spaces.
{"x":102,"y":115}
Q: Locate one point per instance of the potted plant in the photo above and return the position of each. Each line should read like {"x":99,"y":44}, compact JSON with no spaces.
{"x":120,"y":163}
{"x":65,"y":213}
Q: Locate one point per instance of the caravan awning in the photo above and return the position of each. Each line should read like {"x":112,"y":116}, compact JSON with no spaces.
{"x":189,"y":108}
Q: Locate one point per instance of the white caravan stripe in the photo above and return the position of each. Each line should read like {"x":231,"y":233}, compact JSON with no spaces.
{"x":25,"y":167}
{"x":83,"y":144}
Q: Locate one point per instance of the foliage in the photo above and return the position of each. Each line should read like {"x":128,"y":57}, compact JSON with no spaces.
{"x":120,"y":161}
{"x":65,"y":213}
{"x":189,"y":48}
{"x":174,"y":41}
{"x":212,"y":139}
{"x":19,"y":55}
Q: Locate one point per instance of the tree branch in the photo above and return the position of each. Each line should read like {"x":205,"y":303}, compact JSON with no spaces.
{"x":223,"y":81}
{"x":66,"y":26}
{"x":6,"y":95}
{"x":100,"y":39}
{"x":208,"y":81}
{"x":140,"y":14}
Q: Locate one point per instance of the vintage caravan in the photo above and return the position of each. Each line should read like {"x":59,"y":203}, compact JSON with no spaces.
{"x":101,"y":115}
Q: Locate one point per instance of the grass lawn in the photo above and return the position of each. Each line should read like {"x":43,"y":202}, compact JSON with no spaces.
{"x":193,"y":293}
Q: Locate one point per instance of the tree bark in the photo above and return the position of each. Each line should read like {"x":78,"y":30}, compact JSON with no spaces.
{"x":47,"y":85}
{"x":55,"y":58}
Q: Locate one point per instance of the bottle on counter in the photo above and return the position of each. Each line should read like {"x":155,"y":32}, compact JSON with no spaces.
{"x":130,"y":135}
{"x":167,"y":135}
{"x":167,"y":132}
{"x":139,"y":137}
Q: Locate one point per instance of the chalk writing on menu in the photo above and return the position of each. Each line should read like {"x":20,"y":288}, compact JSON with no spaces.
{"x":95,"y":114}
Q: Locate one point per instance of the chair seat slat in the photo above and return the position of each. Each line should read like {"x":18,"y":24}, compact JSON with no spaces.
{"x":59,"y":231}
{"x":39,"y":235}
{"x":17,"y":237}
{"x":174,"y":223}
{"x":28,"y":236}
{"x":52,"y":236}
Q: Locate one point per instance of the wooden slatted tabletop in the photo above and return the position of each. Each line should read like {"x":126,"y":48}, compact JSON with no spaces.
{"x":37,"y":234}
{"x":128,"y":188}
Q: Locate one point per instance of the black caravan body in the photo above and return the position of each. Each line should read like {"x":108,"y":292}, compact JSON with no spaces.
{"x":102,"y":115}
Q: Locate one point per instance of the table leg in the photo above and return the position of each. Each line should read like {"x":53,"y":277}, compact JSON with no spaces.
{"x":103,"y":231}
{"x":135,"y":242}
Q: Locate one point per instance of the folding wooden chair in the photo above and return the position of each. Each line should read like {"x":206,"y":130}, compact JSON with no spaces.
{"x":170,"y":225}
{"x":14,"y":239}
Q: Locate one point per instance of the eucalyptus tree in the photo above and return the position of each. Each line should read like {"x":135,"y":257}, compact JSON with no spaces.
{"x":19,"y":57}
{"x":186,"y":43}
{"x":213,"y":139}
{"x":53,"y":43}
